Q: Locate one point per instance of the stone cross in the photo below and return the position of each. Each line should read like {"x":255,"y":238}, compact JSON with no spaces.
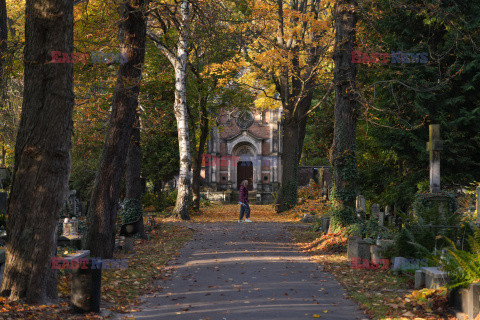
{"x":435,"y":145}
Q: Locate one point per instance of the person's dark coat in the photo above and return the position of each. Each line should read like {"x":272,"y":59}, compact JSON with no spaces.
{"x":243,"y":194}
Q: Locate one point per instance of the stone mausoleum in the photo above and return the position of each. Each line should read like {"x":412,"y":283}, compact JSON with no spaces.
{"x":245,"y":145}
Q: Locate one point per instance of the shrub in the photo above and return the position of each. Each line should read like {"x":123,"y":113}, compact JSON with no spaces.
{"x":311,"y":191}
{"x":462,"y":266}
{"x":131,"y":212}
{"x":341,"y":217}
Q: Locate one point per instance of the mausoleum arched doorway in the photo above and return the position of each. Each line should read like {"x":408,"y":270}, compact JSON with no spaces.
{"x":245,"y":172}
{"x":244,"y":167}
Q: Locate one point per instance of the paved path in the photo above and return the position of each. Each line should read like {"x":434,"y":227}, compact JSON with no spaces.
{"x":246,"y":271}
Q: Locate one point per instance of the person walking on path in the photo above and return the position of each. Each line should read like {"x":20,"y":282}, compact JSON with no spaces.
{"x":244,"y":207}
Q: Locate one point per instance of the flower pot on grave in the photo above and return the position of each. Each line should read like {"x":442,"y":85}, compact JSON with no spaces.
{"x":128,"y":230}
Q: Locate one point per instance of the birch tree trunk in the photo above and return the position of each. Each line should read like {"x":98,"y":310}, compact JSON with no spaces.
{"x":178,"y":58}
{"x":42,"y":152}
{"x":180,"y":108}
{"x":342,"y":153}
{"x":106,"y":191}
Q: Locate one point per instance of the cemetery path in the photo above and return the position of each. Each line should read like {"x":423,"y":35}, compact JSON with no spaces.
{"x":233,"y":271}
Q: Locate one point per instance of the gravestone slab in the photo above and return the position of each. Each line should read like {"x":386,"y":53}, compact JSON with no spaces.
{"x":467,"y":300}
{"x":360,"y":204}
{"x":352,"y":247}
{"x":375,"y":209}
{"x":435,"y":145}
{"x":358,"y":248}
{"x":434,"y":277}
{"x":325,"y":224}
{"x":402,"y":264}
{"x":419,"y":279}
{"x":381,"y":219}
{"x":376,"y":253}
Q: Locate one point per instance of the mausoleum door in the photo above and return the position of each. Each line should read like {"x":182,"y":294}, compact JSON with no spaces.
{"x":245,"y":172}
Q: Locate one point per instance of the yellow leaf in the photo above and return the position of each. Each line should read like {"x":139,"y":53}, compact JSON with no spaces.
{"x":316,"y":316}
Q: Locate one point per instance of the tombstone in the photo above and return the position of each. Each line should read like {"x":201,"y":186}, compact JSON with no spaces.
{"x":390,"y":219}
{"x":388,"y":209}
{"x":381,"y":219}
{"x":72,"y":199}
{"x":375,"y":210}
{"x":325,"y":224}
{"x":358,"y":248}
{"x":435,"y":145}
{"x":86,"y":288}
{"x":360,"y":206}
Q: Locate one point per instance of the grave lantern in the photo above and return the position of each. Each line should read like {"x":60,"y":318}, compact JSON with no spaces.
{"x":74,"y":226}
{"x":67,"y":227}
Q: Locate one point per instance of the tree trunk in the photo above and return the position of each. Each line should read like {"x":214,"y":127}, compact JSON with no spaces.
{"x":3,"y":59}
{"x":3,"y":49}
{"x":181,"y":114}
{"x":287,"y":195}
{"x":133,"y":179}
{"x":197,"y":164}
{"x":342,"y":154}
{"x":42,"y":151}
{"x":294,"y":129}
{"x":106,"y":191}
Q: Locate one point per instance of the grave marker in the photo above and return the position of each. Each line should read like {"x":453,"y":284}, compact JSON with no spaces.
{"x":381,"y":219}
{"x":435,"y":145}
{"x":360,"y":206}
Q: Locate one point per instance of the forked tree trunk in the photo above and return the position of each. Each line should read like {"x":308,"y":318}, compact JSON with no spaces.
{"x":295,"y":85}
{"x":42,"y":152}
{"x":181,"y":114}
{"x":106,"y":191}
{"x":133,"y":179}
{"x":342,"y":154}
